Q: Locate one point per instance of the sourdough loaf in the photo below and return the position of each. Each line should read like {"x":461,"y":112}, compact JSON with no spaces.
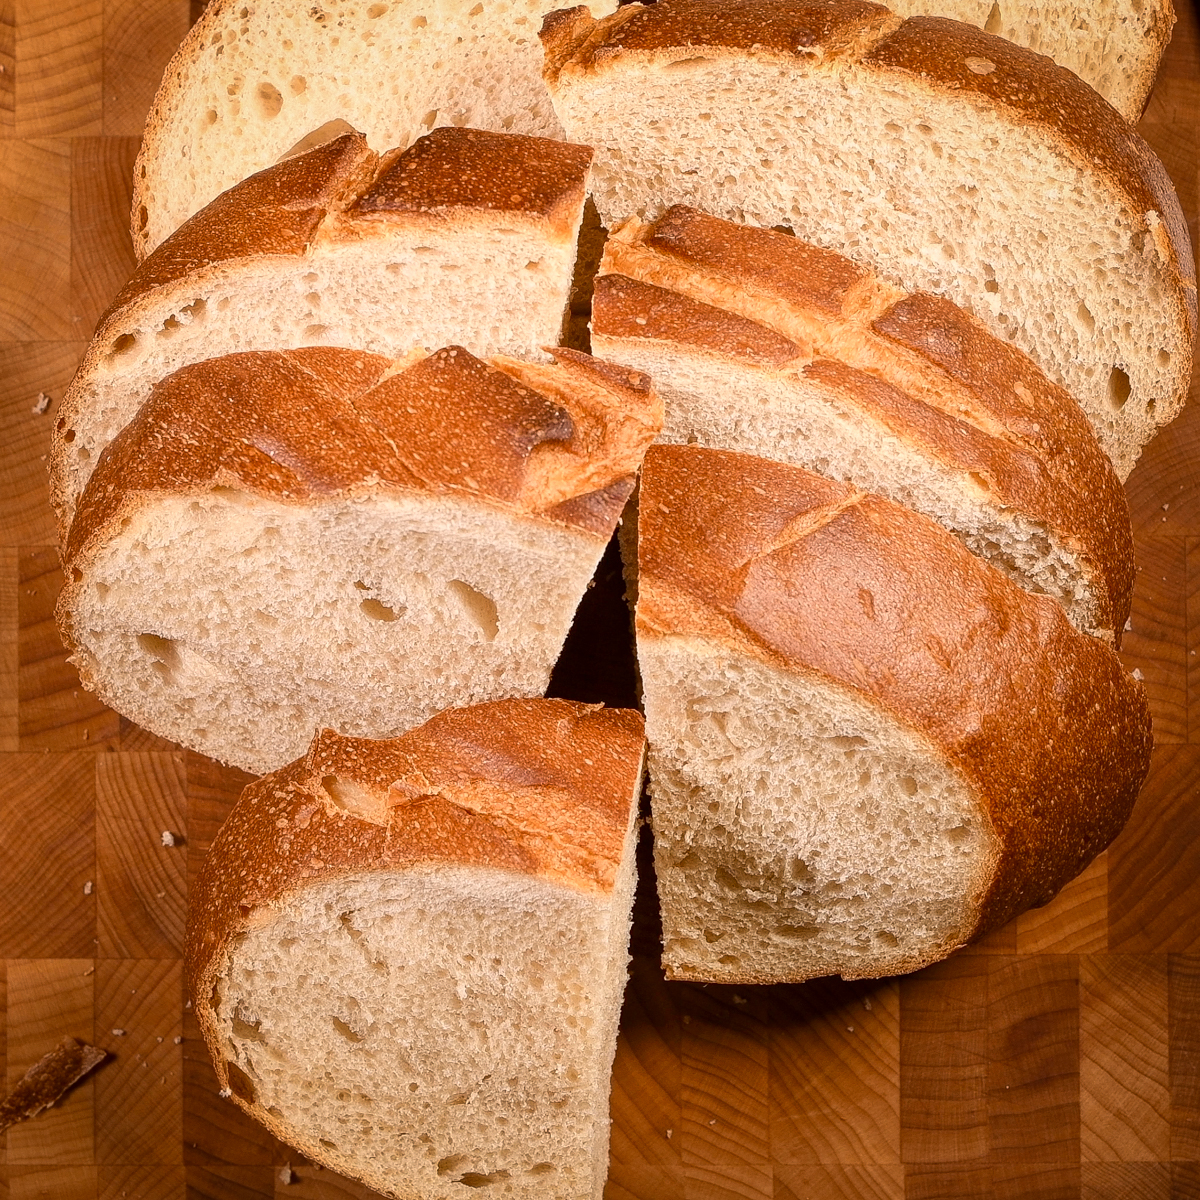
{"x":466,"y":237}
{"x":252,"y":79}
{"x":323,"y":537}
{"x":407,"y":957}
{"x":760,"y":342}
{"x":867,"y":746}
{"x":948,"y":160}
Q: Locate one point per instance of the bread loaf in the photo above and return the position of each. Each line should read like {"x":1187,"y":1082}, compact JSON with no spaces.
{"x":407,"y":957}
{"x":760,"y":342}
{"x":251,"y":80}
{"x":322,"y":537}
{"x":867,"y":746}
{"x":466,"y":237}
{"x":944,"y":158}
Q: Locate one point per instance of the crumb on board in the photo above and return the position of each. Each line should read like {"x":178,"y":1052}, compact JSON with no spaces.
{"x":41,"y":404}
{"x":49,"y":1079}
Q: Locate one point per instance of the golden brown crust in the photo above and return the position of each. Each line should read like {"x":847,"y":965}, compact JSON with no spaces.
{"x":930,"y":53}
{"x":342,"y":191}
{"x":537,"y":787}
{"x":812,"y":576}
{"x":316,"y":423}
{"x":917,"y":364}
{"x":453,"y":168}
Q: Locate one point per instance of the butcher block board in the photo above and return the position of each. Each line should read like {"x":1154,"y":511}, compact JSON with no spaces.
{"x":1058,"y":1060}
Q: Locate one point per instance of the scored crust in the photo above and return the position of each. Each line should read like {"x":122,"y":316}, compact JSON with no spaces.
{"x":541,"y":788}
{"x":917,"y":364}
{"x":310,"y":424}
{"x":812,"y":576}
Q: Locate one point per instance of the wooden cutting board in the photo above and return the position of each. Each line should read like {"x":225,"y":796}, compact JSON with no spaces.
{"x":1059,"y":1060}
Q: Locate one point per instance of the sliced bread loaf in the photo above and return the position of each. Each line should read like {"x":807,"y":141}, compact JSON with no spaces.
{"x":322,"y":537}
{"x":466,"y":237}
{"x":407,"y":957}
{"x":251,"y":80}
{"x":760,"y":342}
{"x":944,"y":158}
{"x":867,"y":746}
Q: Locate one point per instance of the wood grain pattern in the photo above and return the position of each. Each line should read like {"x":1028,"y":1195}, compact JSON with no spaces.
{"x":1058,"y":1059}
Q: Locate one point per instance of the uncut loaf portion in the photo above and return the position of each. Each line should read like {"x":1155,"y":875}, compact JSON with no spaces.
{"x":867,"y":746}
{"x":465,"y":237}
{"x":255,"y":77}
{"x":407,"y":957}
{"x":322,"y":537}
{"x":759,"y":342}
{"x":944,"y":158}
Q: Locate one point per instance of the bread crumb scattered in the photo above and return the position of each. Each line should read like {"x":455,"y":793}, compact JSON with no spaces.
{"x":669,"y":1132}
{"x":225,"y":1093}
{"x":41,"y":404}
{"x":87,"y":888}
{"x":118,"y":1032}
{"x":168,"y":838}
{"x":178,"y":1041}
{"x":1137,"y":673}
{"x":285,"y":1173}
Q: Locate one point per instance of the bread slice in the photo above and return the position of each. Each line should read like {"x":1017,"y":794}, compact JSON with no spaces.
{"x":760,"y":342}
{"x":251,"y":80}
{"x":1116,"y":48}
{"x":466,"y":237}
{"x":944,"y":158}
{"x":867,"y":746}
{"x":407,"y":957}
{"x":322,"y":537}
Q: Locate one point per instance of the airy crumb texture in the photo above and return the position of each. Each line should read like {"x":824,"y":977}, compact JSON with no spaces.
{"x":408,"y":957}
{"x":799,"y":831}
{"x":279,"y":542}
{"x":762,"y":343}
{"x":335,"y":249}
{"x":255,"y":77}
{"x":946,"y":159}
{"x":867,"y":746}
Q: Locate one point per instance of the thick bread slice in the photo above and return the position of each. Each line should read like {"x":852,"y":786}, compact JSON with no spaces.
{"x":946,"y":159}
{"x":407,"y":957}
{"x":322,"y":537}
{"x":255,"y":77}
{"x":760,"y":342}
{"x":867,"y":746}
{"x":467,"y":237}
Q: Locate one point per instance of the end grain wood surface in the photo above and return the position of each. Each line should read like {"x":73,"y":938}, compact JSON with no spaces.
{"x":1059,"y":1060}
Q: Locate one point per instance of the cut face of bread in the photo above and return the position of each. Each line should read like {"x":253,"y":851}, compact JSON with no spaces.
{"x":251,"y":80}
{"x":435,"y":1005}
{"x":867,"y":746}
{"x":283,"y":542}
{"x":762,"y":343}
{"x":948,"y":160}
{"x":467,"y":237}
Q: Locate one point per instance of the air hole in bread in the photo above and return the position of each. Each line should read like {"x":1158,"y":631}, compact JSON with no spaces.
{"x":542,"y":1168}
{"x":349,"y":1034}
{"x":379,"y":611}
{"x":1118,"y":389}
{"x":270,"y":100}
{"x":247,"y":1030}
{"x":990,"y":285}
{"x":887,"y":939}
{"x":712,"y":936}
{"x":169,"y":327}
{"x":1086,"y":320}
{"x":143,"y":218}
{"x":314,"y":333}
{"x":959,"y":834}
{"x":419,"y":22}
{"x":799,"y":871}
{"x":685,"y":62}
{"x":729,"y":960}
{"x":212,"y":117}
{"x":535,"y":265}
{"x":848,"y":742}
{"x":477,"y":607}
{"x":801,"y":933}
{"x":327,"y":1143}
{"x":1164,"y":360}
{"x":995,"y":20}
{"x":163,"y":651}
{"x":240,"y":1083}
{"x":123,"y":346}
{"x":475,"y":1180}
{"x":376,"y":11}
{"x":475,"y":11}
{"x":430,"y":118}
{"x":297,"y":85}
